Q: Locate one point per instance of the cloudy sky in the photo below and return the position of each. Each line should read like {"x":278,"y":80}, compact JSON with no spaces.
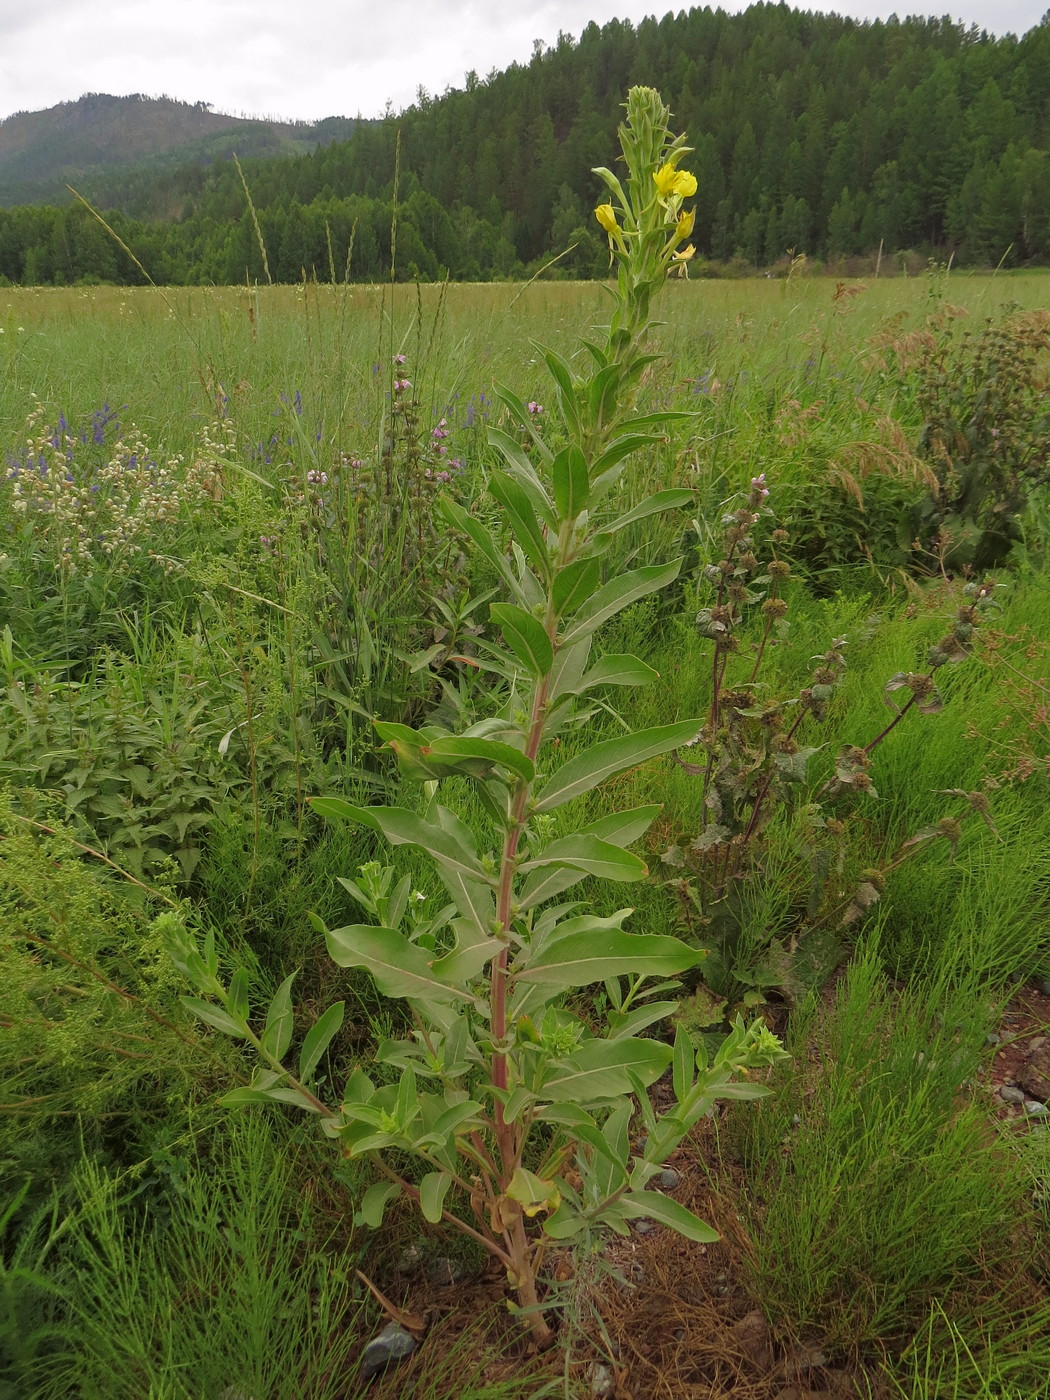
{"x":318,"y":58}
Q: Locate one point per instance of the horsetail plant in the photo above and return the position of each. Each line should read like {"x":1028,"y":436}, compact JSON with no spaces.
{"x":516,"y":1107}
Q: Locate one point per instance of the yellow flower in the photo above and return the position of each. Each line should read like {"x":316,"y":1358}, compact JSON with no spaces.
{"x":670,"y":181}
{"x":684,"y":254}
{"x":685,"y":224}
{"x":607,"y":218}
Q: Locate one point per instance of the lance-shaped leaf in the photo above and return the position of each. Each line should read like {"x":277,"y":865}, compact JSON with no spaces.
{"x":653,"y":1205}
{"x":432,"y":1192}
{"x":374,"y":1203}
{"x":562,"y":375}
{"x":618,"y":670}
{"x":525,"y":636}
{"x":524,"y":473}
{"x":604,"y":1069}
{"x":601,"y":761}
{"x":653,"y":505}
{"x":592,"y":855}
{"x":479,"y":757}
{"x":521,"y":516}
{"x":523,"y":416}
{"x":470,"y":955}
{"x":216,"y":1016}
{"x":280,"y":1018}
{"x":399,"y":968}
{"x":572,"y":485}
{"x":573,"y":585}
{"x":618,"y":594}
{"x":591,"y":955}
{"x":318,"y":1038}
{"x":482,"y":538}
{"x":404,"y":828}
{"x":620,"y":828}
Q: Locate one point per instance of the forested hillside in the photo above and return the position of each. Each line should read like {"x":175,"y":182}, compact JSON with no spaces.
{"x":812,"y":132}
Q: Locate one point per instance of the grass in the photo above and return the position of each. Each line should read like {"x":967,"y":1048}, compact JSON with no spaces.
{"x":177,"y":713}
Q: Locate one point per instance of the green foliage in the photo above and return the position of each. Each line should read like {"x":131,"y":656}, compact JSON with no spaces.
{"x":874,"y":1189}
{"x":986,"y":430}
{"x":523,"y":1086}
{"x":244,"y":1287}
{"x":92,"y":1023}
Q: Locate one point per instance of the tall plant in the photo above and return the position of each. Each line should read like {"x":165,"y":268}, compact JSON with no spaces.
{"x":517,"y":1106}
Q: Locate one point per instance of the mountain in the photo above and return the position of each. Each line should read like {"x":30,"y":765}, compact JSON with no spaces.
{"x":812,"y":133}
{"x":84,"y":142}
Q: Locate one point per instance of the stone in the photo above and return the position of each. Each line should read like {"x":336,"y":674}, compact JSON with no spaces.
{"x":442,"y":1272}
{"x":1044,"y":987}
{"x":392,"y":1345}
{"x":1035,"y":1109}
{"x":645,"y":1227}
{"x":668,"y":1179}
{"x":410,"y":1260}
{"x":602,"y":1380}
{"x":1034,"y":1075}
{"x":751,"y":1336}
{"x":1009,"y":1094}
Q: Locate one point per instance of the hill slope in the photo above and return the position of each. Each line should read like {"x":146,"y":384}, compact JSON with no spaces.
{"x":77,"y":142}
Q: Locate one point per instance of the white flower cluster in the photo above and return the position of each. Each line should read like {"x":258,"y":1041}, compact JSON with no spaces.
{"x":87,"y":500}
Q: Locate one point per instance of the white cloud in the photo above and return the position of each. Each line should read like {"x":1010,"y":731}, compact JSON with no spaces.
{"x":320,"y":58}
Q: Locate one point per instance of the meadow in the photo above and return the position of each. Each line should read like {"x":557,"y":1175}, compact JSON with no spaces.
{"x":230,"y":546}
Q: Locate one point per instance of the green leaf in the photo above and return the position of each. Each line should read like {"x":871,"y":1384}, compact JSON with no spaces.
{"x":402,"y":827}
{"x":601,"y":761}
{"x":432,"y":1192}
{"x":591,"y":854}
{"x":618,"y":670}
{"x":237,"y":996}
{"x":483,"y":539}
{"x":562,"y":375}
{"x":573,"y":585}
{"x":572,"y":484}
{"x":215,"y":1016}
{"x":525,"y":636}
{"x":398,"y":967}
{"x":522,"y":518}
{"x":683,"y":1063}
{"x":374,"y":1203}
{"x":577,"y":959}
{"x":280,"y":1019}
{"x":653,"y":1205}
{"x":620,"y":829}
{"x":524,"y":473}
{"x":491,"y":752}
{"x":318,"y":1039}
{"x":618,"y":594}
{"x":604,"y":1069}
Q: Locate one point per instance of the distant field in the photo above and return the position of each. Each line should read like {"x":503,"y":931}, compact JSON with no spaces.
{"x":168,"y":355}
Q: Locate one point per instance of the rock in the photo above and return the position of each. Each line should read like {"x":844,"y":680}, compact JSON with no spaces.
{"x":991,"y":1039}
{"x":442,"y":1272}
{"x":1034,"y":1076}
{"x":392,"y":1345}
{"x":1044,"y":987}
{"x":1035,"y":1109}
{"x":751,"y":1336}
{"x":602,"y":1381}
{"x":668,"y":1179}
{"x":1009,"y":1094}
{"x":645,"y":1227}
{"x":410,"y":1261}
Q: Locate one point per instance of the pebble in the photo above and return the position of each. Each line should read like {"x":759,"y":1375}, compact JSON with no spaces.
{"x":1044,"y":987}
{"x":442,"y":1272}
{"x":645,"y":1227}
{"x":1009,"y":1094}
{"x":1035,"y":1109}
{"x":669,"y":1179}
{"x":603,"y":1382}
{"x":991,"y":1039}
{"x":392,"y":1345}
{"x":411,"y":1260}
